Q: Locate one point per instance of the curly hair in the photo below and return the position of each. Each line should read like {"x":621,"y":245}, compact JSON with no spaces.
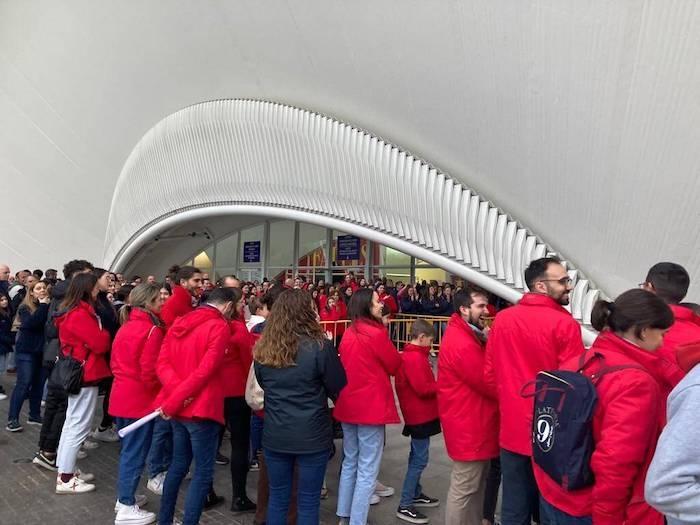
{"x":292,"y":318}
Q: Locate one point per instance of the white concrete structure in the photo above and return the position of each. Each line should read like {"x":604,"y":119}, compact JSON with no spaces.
{"x":578,"y":121}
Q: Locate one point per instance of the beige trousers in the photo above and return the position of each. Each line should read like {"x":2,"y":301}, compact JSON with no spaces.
{"x":465,"y":499}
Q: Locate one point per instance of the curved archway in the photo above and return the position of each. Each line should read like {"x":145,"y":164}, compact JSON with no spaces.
{"x":227,"y":156}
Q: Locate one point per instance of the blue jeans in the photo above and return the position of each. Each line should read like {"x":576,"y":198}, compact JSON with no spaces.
{"x":196,"y":440}
{"x":256,"y":430}
{"x":553,"y":516}
{"x":520,"y":493}
{"x":417,"y":461}
{"x":30,"y":383}
{"x":161,"y":453}
{"x":280,"y":469}
{"x":362,"y":447}
{"x":132,"y":458}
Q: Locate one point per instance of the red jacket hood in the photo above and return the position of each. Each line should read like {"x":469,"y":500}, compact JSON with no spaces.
{"x":651,"y":362}
{"x":60,"y":317}
{"x":688,"y":355}
{"x":538,"y":299}
{"x":185,"y":324}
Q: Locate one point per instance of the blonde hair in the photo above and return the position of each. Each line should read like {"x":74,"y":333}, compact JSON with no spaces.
{"x":30,"y":301}
{"x":292,"y":317}
{"x":141,"y":296}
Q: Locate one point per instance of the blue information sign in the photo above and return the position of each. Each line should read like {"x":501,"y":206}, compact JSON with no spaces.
{"x":348,"y":248}
{"x":251,"y":252}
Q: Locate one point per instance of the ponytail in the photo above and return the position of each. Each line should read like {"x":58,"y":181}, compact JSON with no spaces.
{"x":124,"y":313}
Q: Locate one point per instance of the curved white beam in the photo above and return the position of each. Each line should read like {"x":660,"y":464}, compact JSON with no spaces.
{"x":289,"y":161}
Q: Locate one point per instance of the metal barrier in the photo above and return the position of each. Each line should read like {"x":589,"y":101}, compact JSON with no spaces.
{"x":399,"y":328}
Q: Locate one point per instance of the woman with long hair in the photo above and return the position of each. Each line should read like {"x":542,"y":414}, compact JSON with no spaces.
{"x":366,"y":405}
{"x":298,"y":369}
{"x":7,"y":337}
{"x":110,"y":321}
{"x":29,"y":351}
{"x":134,"y":391}
{"x":629,"y":377}
{"x":83,"y":338}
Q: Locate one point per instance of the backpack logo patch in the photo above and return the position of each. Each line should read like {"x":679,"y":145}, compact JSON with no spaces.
{"x":546,"y":424}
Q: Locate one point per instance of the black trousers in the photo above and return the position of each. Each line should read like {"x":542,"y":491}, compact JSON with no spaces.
{"x":54,"y":417}
{"x":237,"y":415}
{"x":493,"y":482}
{"x":107,"y":420}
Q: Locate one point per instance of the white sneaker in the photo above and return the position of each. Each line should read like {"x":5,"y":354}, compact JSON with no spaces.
{"x":141,"y":501}
{"x":108,"y":435}
{"x":133,"y":515}
{"x":90,"y":445}
{"x":3,"y":397}
{"x":382,"y":490}
{"x":155,"y":484}
{"x":82,"y":454}
{"x":85,"y":476}
{"x":374,"y":498}
{"x":74,"y":485}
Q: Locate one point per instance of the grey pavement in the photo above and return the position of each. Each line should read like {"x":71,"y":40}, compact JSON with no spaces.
{"x":27,"y":494}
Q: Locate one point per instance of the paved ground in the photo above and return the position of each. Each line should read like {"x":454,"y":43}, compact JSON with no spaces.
{"x":27,"y":496}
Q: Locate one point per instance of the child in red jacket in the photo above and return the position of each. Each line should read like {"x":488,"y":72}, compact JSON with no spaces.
{"x":417,"y":391}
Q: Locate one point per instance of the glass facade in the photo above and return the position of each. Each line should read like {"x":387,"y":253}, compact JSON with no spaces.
{"x":280,"y":249}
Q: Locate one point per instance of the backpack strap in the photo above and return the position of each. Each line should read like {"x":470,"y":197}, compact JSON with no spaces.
{"x":609,"y":369}
{"x":586,"y":359}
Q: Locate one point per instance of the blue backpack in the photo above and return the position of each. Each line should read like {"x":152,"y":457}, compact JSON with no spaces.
{"x":562,"y":429}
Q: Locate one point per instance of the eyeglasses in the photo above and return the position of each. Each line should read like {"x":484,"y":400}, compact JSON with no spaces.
{"x":564,"y":281}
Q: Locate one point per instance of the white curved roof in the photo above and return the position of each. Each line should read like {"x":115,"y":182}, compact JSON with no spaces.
{"x":578,"y":119}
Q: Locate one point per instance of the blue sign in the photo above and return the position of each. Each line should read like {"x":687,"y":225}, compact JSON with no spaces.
{"x":251,"y":252}
{"x":348,"y":248}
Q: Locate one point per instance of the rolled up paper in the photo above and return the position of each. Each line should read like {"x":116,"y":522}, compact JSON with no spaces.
{"x":138,"y":423}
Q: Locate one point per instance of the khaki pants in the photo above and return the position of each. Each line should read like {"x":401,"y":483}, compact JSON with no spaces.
{"x":465,"y":499}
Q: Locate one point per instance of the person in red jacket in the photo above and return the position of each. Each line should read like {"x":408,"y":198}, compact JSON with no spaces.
{"x":81,"y":336}
{"x":366,"y":404}
{"x":387,"y":299}
{"x":187,"y":286}
{"x":134,"y":355}
{"x":234,"y":373}
{"x":670,"y":281}
{"x":333,"y":315}
{"x":468,"y":409}
{"x":417,"y":392}
{"x":536,"y":334}
{"x":189,"y":368}
{"x":627,"y":420}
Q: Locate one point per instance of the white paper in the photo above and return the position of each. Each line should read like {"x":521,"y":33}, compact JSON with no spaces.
{"x":138,"y":423}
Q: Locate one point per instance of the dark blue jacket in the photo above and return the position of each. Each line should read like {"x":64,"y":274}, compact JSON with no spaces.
{"x":435,"y":306}
{"x":411,"y":306}
{"x":297,"y":418}
{"x":30,"y":338}
{"x":7,"y":336}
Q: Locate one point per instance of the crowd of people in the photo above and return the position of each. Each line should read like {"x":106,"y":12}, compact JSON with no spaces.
{"x":255,"y":362}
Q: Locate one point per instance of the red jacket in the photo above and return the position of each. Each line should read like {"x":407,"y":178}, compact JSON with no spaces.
{"x":237,"y":360}
{"x":416,"y":387}
{"x":536,"y":334}
{"x":468,"y":409}
{"x":189,"y":365}
{"x":179,"y":304}
{"x":339,"y":313}
{"x":685,"y":329}
{"x":626,"y":425}
{"x":134,"y":356}
{"x":81,"y":330}
{"x":389,"y":301}
{"x":369,"y":359}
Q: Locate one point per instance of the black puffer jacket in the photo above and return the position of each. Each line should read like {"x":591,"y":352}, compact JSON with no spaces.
{"x":297,"y":418}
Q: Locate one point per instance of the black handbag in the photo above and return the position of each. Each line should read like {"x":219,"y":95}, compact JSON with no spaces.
{"x":67,"y":374}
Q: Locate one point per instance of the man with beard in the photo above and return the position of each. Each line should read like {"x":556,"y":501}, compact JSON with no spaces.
{"x":468,"y":409}
{"x":536,"y":334}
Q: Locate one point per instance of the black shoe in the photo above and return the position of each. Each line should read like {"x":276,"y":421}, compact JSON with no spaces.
{"x":243,"y":505}
{"x":425,"y":501}
{"x":35,"y":420}
{"x":221,"y":459}
{"x":14,"y":426}
{"x":411,"y":515}
{"x":213,"y":500}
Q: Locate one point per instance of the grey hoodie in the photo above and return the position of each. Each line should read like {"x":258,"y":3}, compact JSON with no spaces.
{"x":673,"y":480}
